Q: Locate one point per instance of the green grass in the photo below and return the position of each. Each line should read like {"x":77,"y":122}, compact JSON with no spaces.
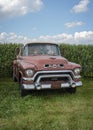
{"x":46,"y":110}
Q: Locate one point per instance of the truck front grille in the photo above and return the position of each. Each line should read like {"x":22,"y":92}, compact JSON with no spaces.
{"x":49,"y":74}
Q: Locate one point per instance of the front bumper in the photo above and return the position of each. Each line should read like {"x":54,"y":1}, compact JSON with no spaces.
{"x":50,"y":75}
{"x":49,"y":86}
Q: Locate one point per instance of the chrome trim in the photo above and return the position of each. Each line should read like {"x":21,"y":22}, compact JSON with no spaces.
{"x":45,"y":86}
{"x":78,"y":83}
{"x":52,"y":76}
{"x":28,"y":86}
{"x":65,"y":85}
{"x":27,"y":79}
{"x":77,"y":77}
{"x":32,"y":86}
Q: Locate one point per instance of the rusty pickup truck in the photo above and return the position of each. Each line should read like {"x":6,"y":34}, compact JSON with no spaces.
{"x":40,"y":66}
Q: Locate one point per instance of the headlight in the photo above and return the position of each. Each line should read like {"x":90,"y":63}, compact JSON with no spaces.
{"x":77,"y":71}
{"x":29,"y":72}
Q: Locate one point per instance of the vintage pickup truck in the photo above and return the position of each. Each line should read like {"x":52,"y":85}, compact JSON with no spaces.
{"x":40,"y":66}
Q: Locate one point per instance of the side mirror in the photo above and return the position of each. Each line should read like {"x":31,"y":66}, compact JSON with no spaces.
{"x":17,"y":50}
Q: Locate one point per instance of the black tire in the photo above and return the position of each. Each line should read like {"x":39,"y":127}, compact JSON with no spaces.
{"x":23,"y":92}
{"x":14,"y":78}
{"x":71,"y":90}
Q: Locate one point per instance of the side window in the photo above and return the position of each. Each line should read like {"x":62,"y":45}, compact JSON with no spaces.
{"x":25,"y":51}
{"x":55,"y":51}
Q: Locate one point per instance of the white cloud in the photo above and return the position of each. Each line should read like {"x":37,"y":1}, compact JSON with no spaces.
{"x":13,"y":38}
{"x":82,"y":6}
{"x":3,"y":36}
{"x":84,"y":37}
{"x":11,"y":8}
{"x":74,"y":24}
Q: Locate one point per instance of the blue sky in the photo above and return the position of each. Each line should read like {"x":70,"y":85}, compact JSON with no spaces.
{"x":60,"y":21}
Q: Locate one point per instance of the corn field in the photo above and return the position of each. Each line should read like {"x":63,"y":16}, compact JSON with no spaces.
{"x":7,"y":54}
{"x":82,"y":54}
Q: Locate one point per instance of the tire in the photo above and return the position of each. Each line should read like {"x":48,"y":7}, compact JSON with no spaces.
{"x":14,"y":78}
{"x":23,"y":92}
{"x":71,"y":90}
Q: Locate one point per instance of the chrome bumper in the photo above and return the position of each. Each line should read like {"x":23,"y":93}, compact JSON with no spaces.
{"x":49,"y":86}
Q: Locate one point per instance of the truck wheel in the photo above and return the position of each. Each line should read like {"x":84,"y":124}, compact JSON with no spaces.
{"x":14,"y":78}
{"x":23,"y":92}
{"x":71,"y":90}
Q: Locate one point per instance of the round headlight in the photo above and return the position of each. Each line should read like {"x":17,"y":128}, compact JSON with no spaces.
{"x":29,"y":72}
{"x":77,"y":71}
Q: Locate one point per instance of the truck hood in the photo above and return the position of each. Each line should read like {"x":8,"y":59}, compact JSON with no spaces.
{"x":47,"y":62}
{"x":44,"y":62}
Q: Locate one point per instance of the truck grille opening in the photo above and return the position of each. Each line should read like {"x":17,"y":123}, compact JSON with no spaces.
{"x":54,"y":79}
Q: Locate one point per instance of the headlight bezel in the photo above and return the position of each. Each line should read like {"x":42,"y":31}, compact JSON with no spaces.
{"x":77,"y":71}
{"x":29,"y":72}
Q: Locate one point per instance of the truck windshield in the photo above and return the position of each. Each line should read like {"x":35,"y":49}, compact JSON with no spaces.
{"x":41,"y":49}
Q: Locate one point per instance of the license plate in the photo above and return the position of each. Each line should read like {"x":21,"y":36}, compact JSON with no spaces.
{"x":56,"y":85}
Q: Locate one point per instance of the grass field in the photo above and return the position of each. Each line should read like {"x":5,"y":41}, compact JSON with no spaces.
{"x":46,"y":110}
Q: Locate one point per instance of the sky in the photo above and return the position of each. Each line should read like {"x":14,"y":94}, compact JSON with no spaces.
{"x":60,"y":21}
